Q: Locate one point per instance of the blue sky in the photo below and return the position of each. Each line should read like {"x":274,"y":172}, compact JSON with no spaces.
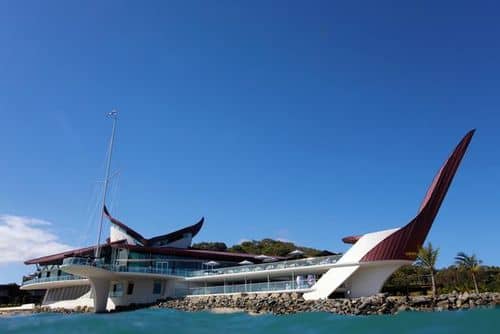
{"x":304,"y":122}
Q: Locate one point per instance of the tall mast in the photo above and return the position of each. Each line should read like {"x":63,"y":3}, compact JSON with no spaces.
{"x":114,"y":115}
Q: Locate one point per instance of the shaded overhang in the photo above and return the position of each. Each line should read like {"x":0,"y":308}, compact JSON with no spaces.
{"x":196,"y":253}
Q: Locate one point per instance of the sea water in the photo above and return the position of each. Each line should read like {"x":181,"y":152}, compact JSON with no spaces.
{"x":169,"y":321}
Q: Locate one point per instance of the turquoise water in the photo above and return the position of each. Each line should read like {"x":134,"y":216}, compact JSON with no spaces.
{"x":170,"y":321}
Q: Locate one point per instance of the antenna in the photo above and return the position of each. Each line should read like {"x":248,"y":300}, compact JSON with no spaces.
{"x":113,"y":115}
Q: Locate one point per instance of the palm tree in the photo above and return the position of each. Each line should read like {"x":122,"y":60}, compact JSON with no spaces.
{"x":470,"y":263}
{"x":426,"y":258}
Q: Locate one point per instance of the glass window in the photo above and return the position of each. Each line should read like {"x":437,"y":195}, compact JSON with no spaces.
{"x":130,"y":288}
{"x":117,"y":290}
{"x":156,"y":287}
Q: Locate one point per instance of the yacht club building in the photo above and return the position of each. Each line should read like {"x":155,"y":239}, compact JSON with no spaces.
{"x":132,"y":269}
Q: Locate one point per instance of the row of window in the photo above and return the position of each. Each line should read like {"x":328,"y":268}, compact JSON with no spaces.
{"x":49,"y":273}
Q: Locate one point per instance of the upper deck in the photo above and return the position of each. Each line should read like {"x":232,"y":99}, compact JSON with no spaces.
{"x":313,"y":264}
{"x":307,"y":265}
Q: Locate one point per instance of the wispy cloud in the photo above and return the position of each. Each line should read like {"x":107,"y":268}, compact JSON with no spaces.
{"x":22,"y":238}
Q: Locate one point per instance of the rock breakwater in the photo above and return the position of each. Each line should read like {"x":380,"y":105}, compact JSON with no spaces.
{"x":288,"y":303}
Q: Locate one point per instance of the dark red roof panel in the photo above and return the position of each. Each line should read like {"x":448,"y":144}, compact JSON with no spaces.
{"x":179,"y":234}
{"x":170,"y":237}
{"x":352,"y":239}
{"x":124,"y":227}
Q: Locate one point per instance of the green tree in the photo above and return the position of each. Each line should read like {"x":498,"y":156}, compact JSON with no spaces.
{"x":470,"y":263}
{"x":426,"y":258}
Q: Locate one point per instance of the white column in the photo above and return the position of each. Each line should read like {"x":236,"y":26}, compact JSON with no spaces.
{"x":100,"y":288}
{"x":45,"y":296}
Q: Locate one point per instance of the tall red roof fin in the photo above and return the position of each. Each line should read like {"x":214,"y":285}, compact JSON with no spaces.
{"x":127,"y":229}
{"x":170,"y":237}
{"x":176,"y":235}
{"x":405,"y":243}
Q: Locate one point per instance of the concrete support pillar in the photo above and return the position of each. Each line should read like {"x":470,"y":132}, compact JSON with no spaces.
{"x":44,"y":301}
{"x":100,"y":287}
{"x":368,"y":281}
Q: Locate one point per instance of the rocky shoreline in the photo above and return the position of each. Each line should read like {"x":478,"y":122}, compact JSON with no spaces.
{"x":289,"y":303}
{"x":45,"y":309}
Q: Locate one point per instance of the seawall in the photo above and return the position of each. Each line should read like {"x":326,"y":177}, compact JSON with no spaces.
{"x":287,"y":303}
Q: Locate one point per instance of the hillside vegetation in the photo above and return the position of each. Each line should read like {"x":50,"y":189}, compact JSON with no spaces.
{"x":268,"y":247}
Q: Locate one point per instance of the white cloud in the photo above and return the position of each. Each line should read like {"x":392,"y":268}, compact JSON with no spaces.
{"x":23,"y":238}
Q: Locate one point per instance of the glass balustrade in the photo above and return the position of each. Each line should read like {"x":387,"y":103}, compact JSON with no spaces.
{"x":289,"y":264}
{"x":165,"y":270}
{"x":250,"y":287}
{"x":81,"y":261}
{"x":84,"y":261}
{"x":51,"y":279}
{"x":150,"y":270}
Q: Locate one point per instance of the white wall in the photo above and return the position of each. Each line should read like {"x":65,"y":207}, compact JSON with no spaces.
{"x":330,"y":281}
{"x":84,"y":300}
{"x":366,"y":243}
{"x":117,"y":234}
{"x":369,"y":279}
{"x":142,"y":294}
{"x":348,"y":265}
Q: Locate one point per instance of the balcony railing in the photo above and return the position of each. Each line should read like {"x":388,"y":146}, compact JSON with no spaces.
{"x":84,"y":261}
{"x":81,"y":261}
{"x":165,"y":270}
{"x":151,"y":270}
{"x":51,"y":279}
{"x":251,"y":287}
{"x":290,"y":264}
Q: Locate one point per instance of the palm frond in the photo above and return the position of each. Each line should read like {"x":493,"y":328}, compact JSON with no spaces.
{"x":467,"y":261}
{"x":427,"y":257}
